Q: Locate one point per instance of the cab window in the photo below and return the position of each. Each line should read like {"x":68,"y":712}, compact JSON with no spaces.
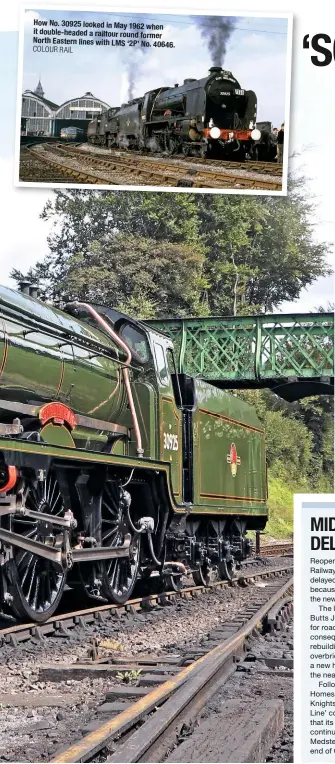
{"x":161,"y":364}
{"x":171,"y":361}
{"x":137,"y":342}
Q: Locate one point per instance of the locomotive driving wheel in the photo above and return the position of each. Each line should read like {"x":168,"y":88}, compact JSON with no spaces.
{"x":119,"y":576}
{"x":35,"y":583}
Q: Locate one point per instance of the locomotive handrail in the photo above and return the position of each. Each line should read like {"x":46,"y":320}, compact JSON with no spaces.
{"x":123,"y":345}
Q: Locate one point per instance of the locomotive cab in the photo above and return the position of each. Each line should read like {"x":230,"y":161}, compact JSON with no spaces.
{"x":187,"y":421}
{"x":157,"y":394}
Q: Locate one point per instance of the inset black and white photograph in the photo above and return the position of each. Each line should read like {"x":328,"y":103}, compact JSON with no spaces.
{"x":154,"y":100}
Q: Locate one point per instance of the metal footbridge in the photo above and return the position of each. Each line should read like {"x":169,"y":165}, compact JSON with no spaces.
{"x":291,"y":354}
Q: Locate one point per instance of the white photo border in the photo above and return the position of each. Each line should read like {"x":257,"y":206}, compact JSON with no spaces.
{"x":149,"y":9}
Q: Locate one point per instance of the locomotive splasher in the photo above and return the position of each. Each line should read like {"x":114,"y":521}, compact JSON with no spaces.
{"x":113,"y":465}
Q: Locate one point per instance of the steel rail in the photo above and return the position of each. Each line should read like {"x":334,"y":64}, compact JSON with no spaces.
{"x":32,"y":171}
{"x":218,"y":665}
{"x":156,"y":177}
{"x":183,"y":687}
{"x":16,"y":632}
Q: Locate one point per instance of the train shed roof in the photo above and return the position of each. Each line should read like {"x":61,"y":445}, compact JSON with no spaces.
{"x":45,"y":101}
{"x":81,"y":103}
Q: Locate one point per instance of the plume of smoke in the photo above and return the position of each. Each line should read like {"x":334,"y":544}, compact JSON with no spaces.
{"x":216,"y":31}
{"x":134,"y":57}
{"x":131,"y":71}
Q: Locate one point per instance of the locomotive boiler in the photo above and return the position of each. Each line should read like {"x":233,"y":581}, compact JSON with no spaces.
{"x":212,"y":116}
{"x":113,"y":466}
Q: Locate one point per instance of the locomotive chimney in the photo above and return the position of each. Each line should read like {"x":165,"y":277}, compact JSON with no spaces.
{"x":215,"y":69}
{"x":33,"y":291}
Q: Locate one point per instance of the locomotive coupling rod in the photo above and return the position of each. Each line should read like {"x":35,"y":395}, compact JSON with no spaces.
{"x":35,"y":547}
{"x":56,"y":555}
{"x":63,"y":522}
{"x":89,"y":554}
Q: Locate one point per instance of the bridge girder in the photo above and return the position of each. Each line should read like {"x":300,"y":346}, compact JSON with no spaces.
{"x":291,"y":354}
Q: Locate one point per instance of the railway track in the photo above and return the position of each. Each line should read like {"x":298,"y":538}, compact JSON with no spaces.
{"x":170,"y":691}
{"x":275,"y":549}
{"x":131,"y":169}
{"x":36,"y":168}
{"x":266,"y":168}
{"x":168,"y":166}
{"x":14,"y":633}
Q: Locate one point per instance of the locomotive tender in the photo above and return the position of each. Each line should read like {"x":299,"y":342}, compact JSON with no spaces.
{"x":113,"y":465}
{"x":204,"y":117}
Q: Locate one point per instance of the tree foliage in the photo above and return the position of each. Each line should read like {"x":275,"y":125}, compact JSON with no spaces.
{"x":299,"y":438}
{"x":234,"y":254}
{"x":134,"y":274}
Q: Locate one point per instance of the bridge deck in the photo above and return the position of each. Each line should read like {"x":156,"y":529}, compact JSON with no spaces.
{"x":292,"y":354}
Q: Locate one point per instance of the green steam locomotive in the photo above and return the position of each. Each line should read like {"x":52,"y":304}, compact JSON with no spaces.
{"x":113,"y":466}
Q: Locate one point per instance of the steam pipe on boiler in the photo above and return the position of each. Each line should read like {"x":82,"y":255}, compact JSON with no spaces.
{"x":125,"y":370}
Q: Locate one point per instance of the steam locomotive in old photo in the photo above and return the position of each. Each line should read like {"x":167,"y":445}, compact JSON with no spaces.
{"x":212,"y":116}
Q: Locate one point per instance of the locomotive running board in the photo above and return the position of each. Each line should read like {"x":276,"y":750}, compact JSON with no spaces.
{"x":57,"y":556}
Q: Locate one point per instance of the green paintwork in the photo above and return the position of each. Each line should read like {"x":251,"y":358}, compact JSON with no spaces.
{"x":15,"y":450}
{"x":58,"y":435}
{"x":169,"y":416}
{"x":159,"y":418}
{"x":145,"y":397}
{"x":220,"y":423}
{"x":171,"y":440}
{"x":46,"y":355}
{"x":257,"y":350}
